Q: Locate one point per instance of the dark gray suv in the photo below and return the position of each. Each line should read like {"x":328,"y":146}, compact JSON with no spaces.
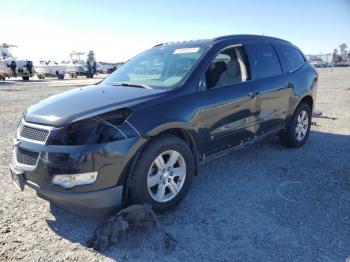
{"x":139,"y":135}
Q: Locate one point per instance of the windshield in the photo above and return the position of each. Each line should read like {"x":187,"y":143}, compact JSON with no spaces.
{"x":160,"y":67}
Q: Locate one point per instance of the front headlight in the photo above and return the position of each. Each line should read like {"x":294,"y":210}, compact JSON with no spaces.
{"x":103,"y":128}
{"x":71,"y":180}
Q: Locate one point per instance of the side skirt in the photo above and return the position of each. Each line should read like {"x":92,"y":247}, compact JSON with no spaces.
{"x":204,"y":159}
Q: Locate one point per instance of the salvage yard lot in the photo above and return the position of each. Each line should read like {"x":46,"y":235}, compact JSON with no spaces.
{"x":260,"y":203}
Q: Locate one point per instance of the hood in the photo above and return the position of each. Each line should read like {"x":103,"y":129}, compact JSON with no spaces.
{"x":87,"y":101}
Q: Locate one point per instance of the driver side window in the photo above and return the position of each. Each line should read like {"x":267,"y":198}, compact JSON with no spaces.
{"x":227,"y":68}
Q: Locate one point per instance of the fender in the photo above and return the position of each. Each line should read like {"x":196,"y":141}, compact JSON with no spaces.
{"x":298,"y":99}
{"x":309,"y":89}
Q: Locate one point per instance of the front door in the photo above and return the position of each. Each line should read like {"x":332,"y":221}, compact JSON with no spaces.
{"x":228,"y":102}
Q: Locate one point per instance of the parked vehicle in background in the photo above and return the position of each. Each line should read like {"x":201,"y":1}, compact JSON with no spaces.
{"x":326,"y":65}
{"x":111,"y":70}
{"x":53,"y":69}
{"x":24,"y":68}
{"x":15,"y":67}
{"x":5,"y":71}
{"x":343,"y":64}
{"x":139,"y":135}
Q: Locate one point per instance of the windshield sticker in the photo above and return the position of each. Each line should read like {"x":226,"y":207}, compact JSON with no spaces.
{"x":186,"y":50}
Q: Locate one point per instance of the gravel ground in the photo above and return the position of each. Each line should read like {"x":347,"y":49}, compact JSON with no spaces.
{"x":261,"y":203}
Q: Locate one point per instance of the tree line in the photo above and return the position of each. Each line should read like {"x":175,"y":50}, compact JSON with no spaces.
{"x":341,"y":55}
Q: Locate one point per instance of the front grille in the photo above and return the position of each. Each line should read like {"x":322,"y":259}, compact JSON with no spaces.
{"x":26,"y":157}
{"x":35,"y":134}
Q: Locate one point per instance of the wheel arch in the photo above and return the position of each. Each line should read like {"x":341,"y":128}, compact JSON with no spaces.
{"x":308,"y":100}
{"x":180,"y":130}
{"x":297,"y":101}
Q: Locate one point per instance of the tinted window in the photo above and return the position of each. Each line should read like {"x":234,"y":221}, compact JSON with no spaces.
{"x":291,"y":58}
{"x":227,"y":68}
{"x":263,"y":60}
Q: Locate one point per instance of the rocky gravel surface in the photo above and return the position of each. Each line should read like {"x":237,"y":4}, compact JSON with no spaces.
{"x":261,"y":203}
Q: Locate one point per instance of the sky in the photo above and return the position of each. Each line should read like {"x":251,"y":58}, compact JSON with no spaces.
{"x":118,"y":30}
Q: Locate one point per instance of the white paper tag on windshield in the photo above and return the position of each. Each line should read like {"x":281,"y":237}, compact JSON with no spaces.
{"x":186,"y":50}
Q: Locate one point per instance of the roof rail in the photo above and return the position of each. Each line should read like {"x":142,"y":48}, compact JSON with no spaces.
{"x":247,"y":36}
{"x":224,"y":38}
{"x":180,"y":42}
{"x":166,"y":43}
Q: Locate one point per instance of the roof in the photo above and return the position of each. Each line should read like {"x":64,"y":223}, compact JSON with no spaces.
{"x":250,"y":37}
{"x":221,"y":38}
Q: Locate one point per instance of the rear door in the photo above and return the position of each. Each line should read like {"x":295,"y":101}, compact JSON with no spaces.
{"x":272,"y":85}
{"x":228,"y":101}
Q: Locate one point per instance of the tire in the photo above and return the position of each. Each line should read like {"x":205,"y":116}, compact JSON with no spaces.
{"x":292,"y":137}
{"x":148,"y":181}
{"x":25,"y":78}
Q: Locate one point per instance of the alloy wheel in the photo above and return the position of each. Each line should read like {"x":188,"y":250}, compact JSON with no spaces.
{"x":302,"y":125}
{"x":166,"y":176}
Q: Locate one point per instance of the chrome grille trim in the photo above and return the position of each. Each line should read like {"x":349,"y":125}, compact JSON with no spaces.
{"x":26,"y":157}
{"x":22,"y":166}
{"x":35,"y":134}
{"x":23,"y":124}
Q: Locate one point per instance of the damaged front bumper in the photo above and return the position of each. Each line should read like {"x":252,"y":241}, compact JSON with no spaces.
{"x":36,"y":164}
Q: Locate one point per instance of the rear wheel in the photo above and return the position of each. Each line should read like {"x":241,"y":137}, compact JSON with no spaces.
{"x":299,"y":128}
{"x":25,"y":78}
{"x":163,"y":173}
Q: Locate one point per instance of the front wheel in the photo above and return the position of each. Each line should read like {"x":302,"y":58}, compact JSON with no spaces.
{"x":163,"y":173}
{"x":299,"y":128}
{"x":25,"y":78}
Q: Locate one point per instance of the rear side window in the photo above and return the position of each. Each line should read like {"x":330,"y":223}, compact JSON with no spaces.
{"x":263,"y":60}
{"x":291,"y":58}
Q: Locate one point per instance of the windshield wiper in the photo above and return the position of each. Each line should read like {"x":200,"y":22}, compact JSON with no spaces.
{"x":131,"y":84}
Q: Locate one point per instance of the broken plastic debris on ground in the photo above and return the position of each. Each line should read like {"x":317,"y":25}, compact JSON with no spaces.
{"x":127,"y":220}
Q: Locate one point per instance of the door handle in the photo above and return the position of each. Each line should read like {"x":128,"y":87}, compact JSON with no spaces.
{"x":253,"y":94}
